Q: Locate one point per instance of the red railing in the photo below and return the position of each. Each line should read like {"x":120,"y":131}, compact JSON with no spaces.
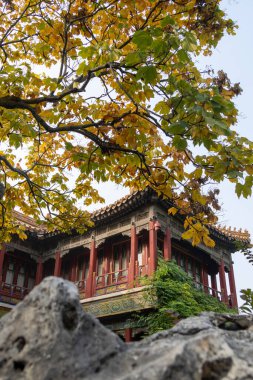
{"x":111,"y":282}
{"x":15,"y":291}
{"x":110,"y":278}
{"x":106,"y":283}
{"x":81,"y":284}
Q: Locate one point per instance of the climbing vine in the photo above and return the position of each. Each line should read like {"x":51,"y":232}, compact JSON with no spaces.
{"x":177,"y":297}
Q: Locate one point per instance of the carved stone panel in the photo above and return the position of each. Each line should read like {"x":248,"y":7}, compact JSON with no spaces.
{"x":118,"y":304}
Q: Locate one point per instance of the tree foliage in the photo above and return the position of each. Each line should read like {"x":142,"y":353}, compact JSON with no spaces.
{"x":247,"y":297}
{"x":106,"y":90}
{"x":177,"y":297}
{"x":247,"y":294}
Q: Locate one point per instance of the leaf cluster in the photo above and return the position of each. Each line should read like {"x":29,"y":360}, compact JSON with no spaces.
{"x":247,"y":297}
{"x":96,"y":91}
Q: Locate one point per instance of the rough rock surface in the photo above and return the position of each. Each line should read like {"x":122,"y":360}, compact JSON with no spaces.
{"x":49,"y":337}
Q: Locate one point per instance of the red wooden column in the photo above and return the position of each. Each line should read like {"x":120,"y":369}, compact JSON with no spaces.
{"x":152,"y":247}
{"x":214,"y":285}
{"x":167,"y":245}
{"x":128,"y":335}
{"x":205,"y":279}
{"x":39,"y":271}
{"x":133,"y":256}
{"x":2,"y":255}
{"x":224,"y":294}
{"x":231,"y":278}
{"x":154,"y":226}
{"x":89,"y":291}
{"x":107,"y":262}
{"x":57,"y":265}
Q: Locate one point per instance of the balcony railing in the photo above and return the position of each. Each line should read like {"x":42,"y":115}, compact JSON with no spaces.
{"x":81,"y":284}
{"x":111,"y":282}
{"x":207,"y":289}
{"x":14,"y":291}
{"x":104,"y":284}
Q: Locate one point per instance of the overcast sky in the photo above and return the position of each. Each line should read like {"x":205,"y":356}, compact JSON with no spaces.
{"x":235,"y":56}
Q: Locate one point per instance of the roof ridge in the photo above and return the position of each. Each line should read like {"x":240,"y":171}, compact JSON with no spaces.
{"x":28,"y":222}
{"x":233,"y":233}
{"x":118,"y":202}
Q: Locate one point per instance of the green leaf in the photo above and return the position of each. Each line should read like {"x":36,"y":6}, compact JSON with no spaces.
{"x":190,"y":42}
{"x":42,"y":25}
{"x":218,"y":123}
{"x":159,"y":47}
{"x":179,"y":143}
{"x":68,"y":146}
{"x":239,"y":189}
{"x":162,"y":107}
{"x":142,"y":39}
{"x":178,"y":128}
{"x":167,"y":21}
{"x":202,"y":97}
{"x":147,"y":73}
{"x":15,"y":140}
{"x":87,"y":52}
{"x":223,"y":127}
{"x":183,"y":56}
{"x":81,"y":68}
{"x":234,"y":174}
{"x":133,"y":58}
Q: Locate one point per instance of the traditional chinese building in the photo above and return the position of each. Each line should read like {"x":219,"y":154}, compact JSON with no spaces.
{"x":106,"y":262}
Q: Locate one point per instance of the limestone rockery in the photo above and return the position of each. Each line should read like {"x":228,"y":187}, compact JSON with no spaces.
{"x":49,"y":337}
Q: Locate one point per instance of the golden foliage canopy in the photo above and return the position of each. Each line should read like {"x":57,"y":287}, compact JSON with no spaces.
{"x":109,"y":90}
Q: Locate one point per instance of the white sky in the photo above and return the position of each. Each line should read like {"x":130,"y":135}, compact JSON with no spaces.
{"x":235,"y":56}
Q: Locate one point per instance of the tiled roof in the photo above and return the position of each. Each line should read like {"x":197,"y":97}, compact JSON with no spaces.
{"x":114,"y":206}
{"x":237,"y":235}
{"x":227,"y":232}
{"x":129,"y":201}
{"x":28,"y":223}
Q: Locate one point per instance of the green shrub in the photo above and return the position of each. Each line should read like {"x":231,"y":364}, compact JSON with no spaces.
{"x":176,"y":297}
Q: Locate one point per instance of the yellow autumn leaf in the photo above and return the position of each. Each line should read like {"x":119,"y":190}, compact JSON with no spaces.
{"x":196,"y":239}
{"x":208,"y":241}
{"x":172,"y":210}
{"x":188,"y":234}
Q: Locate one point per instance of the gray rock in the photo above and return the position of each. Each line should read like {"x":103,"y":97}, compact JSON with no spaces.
{"x":49,"y":337}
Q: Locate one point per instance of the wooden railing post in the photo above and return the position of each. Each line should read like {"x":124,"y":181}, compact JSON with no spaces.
{"x":128,"y":334}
